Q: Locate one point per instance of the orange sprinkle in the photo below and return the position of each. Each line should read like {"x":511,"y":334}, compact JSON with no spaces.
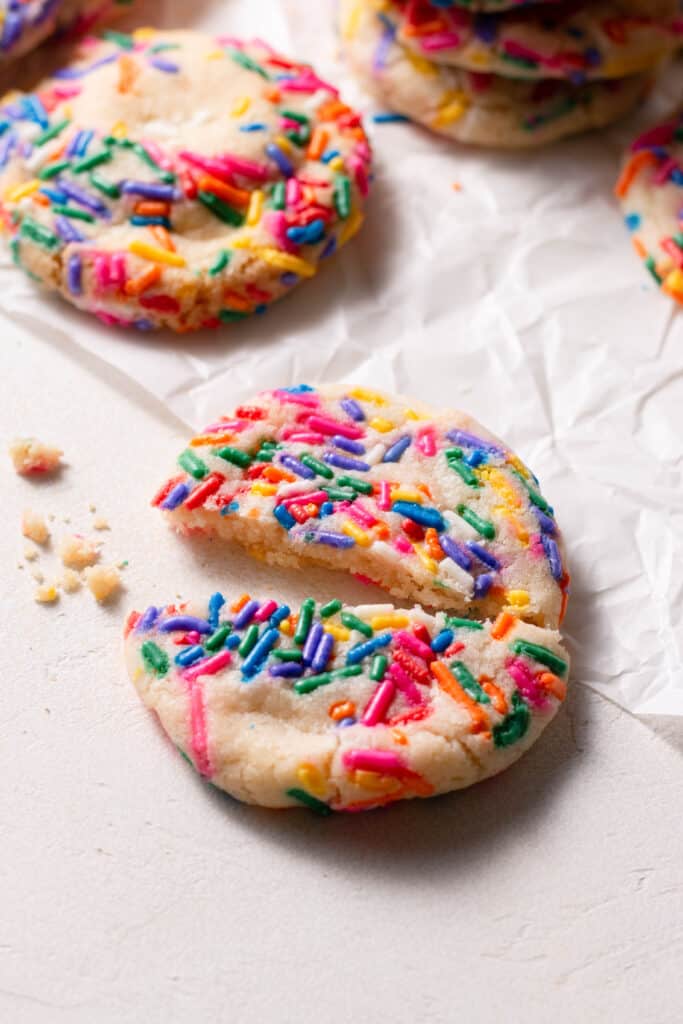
{"x":450,"y":685}
{"x":40,"y":199}
{"x":254,"y":513}
{"x":425,"y":28}
{"x":138,"y":285}
{"x":425,"y":490}
{"x":239,"y":604}
{"x":399,"y":736}
{"x":640,"y":248}
{"x":552,"y":684}
{"x":238,"y":196}
{"x":331,"y":110}
{"x":272,"y":93}
{"x":128,"y":72}
{"x":382,"y":531}
{"x":432,"y":544}
{"x":342,"y":709}
{"x":316,"y":146}
{"x":456,"y":186}
{"x":495,"y":693}
{"x":203,"y":439}
{"x":274,"y":474}
{"x":235,"y":301}
{"x":148,"y":208}
{"x":631,"y":171}
{"x":503,"y":624}
{"x":162,"y":237}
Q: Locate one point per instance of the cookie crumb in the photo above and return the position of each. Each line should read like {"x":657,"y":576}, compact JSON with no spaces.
{"x":46,"y":594}
{"x":34,"y":527}
{"x":102,"y":581}
{"x":77,"y":552}
{"x":30,"y":553}
{"x":70,"y":581}
{"x":100,"y":523}
{"x":38,"y":576}
{"x":30,"y":456}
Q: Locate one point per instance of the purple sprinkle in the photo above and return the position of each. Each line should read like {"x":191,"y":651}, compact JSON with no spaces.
{"x":396,"y":450}
{"x":164,"y":65}
{"x":334,"y":540}
{"x":352,"y":409}
{"x":79,"y":144}
{"x":382,"y":49}
{"x":6,"y":147}
{"x":343,"y":462}
{"x":315,"y":635}
{"x":291,"y":462}
{"x":176,"y":497}
{"x":278,"y":157}
{"x":245,"y":614}
{"x":486,"y":28}
{"x":288,"y":279}
{"x":552,"y":553}
{"x":322,"y":655}
{"x":330,"y":246}
{"x":149,"y":190}
{"x":467,"y":440}
{"x":347,"y":445}
{"x":287,"y":670}
{"x":66,"y":230}
{"x":346,"y":722}
{"x":83,"y":198}
{"x":546,"y":524}
{"x":483,"y":555}
{"x":454,"y":551}
{"x":11,"y":30}
{"x":483,"y":584}
{"x":185,"y":622}
{"x":74,"y":270}
{"x":147,"y":619}
{"x":69,"y":73}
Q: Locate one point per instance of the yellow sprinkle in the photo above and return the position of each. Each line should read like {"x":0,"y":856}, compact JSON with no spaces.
{"x":286,"y":627}
{"x":338,"y":632}
{"x":119,"y":131}
{"x":376,"y":782}
{"x":144,"y":33}
{"x":429,"y":563}
{"x":517,"y":598}
{"x":674,"y":281}
{"x":406,"y":494}
{"x":284,"y":144}
{"x":336,"y":163}
{"x":137,"y":674}
{"x":13,"y":195}
{"x":156,"y":255}
{"x":421,"y":64}
{"x":517,"y":464}
{"x":453,"y":107}
{"x":365,"y":395}
{"x":255,"y":207}
{"x":352,"y":21}
{"x":264,"y":489}
{"x":395,"y":621}
{"x":215,"y":55}
{"x":360,"y":536}
{"x":350,"y":226}
{"x":382,"y":425}
{"x":312,"y":779}
{"x":500,"y":483}
{"x":284,"y":261}
{"x":241,"y":107}
{"x":410,"y":414}
{"x":68,"y":111}
{"x":520,"y":530}
{"x":242,"y":242}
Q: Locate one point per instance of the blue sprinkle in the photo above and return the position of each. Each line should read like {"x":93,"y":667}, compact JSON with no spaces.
{"x":430,"y":517}
{"x":389,"y":118}
{"x":279,"y":615}
{"x":232,"y":507}
{"x":326,"y":509}
{"x":216,"y":602}
{"x":257,"y":656}
{"x":396,"y":450}
{"x":442,"y":640}
{"x":329,"y":155}
{"x":255,"y":126}
{"x":189,"y":655}
{"x":233,"y":641}
{"x":284,"y":517}
{"x":368,"y":647}
{"x":632,"y":221}
{"x":483,"y":584}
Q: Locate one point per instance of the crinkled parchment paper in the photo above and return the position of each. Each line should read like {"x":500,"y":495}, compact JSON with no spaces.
{"x":515,"y":295}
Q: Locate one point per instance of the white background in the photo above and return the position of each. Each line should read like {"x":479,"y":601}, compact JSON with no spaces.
{"x":132,"y":892}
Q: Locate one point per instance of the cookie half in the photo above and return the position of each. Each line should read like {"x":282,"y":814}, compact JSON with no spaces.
{"x":473,"y":107}
{"x":25,"y":24}
{"x":578,"y":41}
{"x":343,"y":709}
{"x":430,"y":505}
{"x":650,"y":190}
{"x":172,"y":179}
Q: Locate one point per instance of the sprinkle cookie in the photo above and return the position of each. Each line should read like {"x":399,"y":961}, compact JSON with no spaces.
{"x":474,"y":107}
{"x":168,"y":179}
{"x":339,"y":708}
{"x":430,"y":505}
{"x":573,"y":40}
{"x":26,"y":23}
{"x":650,"y":190}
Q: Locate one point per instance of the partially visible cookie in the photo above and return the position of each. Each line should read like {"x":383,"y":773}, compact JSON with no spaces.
{"x":473,"y":107}
{"x":339,"y":708}
{"x":26,"y":23}
{"x":650,"y":190}
{"x":170,"y":179}
{"x":578,"y":41}
{"x":430,"y":505}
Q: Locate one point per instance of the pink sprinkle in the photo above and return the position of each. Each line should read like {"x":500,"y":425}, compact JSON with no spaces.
{"x":292,"y":433}
{"x":326,"y":425}
{"x":66,"y":92}
{"x":232,"y":425}
{"x":662,"y":173}
{"x":211,"y":166}
{"x":415,"y":646}
{"x":379,"y":703}
{"x":305,"y":83}
{"x":293,"y":192}
{"x":403,"y":545}
{"x":405,"y":684}
{"x":198,"y":727}
{"x":360,"y":174}
{"x":661,"y":135}
{"x":245,"y":168}
{"x":364,"y":579}
{"x":102,"y":273}
{"x":316,"y":497}
{"x":118,"y":269}
{"x":275,"y":223}
{"x":384,"y":499}
{"x":383,"y":761}
{"x":157,"y":154}
{"x":425,"y":440}
{"x":361,"y":515}
{"x":311,"y":400}
{"x":265,"y":611}
{"x":439,"y":41}
{"x":526,"y":682}
{"x":208,"y":667}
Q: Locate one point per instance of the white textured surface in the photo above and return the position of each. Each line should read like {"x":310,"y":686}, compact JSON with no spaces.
{"x":133,"y":893}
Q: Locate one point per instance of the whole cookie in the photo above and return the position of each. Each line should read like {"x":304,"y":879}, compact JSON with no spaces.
{"x":428,"y":504}
{"x":171,"y":179}
{"x":473,"y":107}
{"x":572,"y":40}
{"x":343,"y":709}
{"x":26,"y":23}
{"x":650,"y":189}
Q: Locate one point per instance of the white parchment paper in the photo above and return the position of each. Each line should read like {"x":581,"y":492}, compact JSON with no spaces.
{"x":515,"y":296}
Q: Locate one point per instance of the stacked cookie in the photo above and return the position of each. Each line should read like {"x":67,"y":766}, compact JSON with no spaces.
{"x":505,"y":73}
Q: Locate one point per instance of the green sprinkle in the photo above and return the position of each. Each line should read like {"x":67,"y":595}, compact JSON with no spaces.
{"x":294,"y":115}
{"x":52,"y":170}
{"x":220,"y":263}
{"x":299,"y":138}
{"x":74,"y":213}
{"x":122,"y":39}
{"x":140,"y":151}
{"x":217,"y":639}
{"x":233,"y":455}
{"x":52,"y":132}
{"x":339,"y":493}
{"x":154,"y":658}
{"x":469,"y":683}
{"x":315,"y":805}
{"x":305,"y":618}
{"x":454,"y":453}
{"x":537,"y":499}
{"x":287,"y":655}
{"x":39,"y":234}
{"x":514,"y":725}
{"x":248,"y":641}
{"x":347,"y":671}
{"x":14,"y":249}
{"x":482,"y":526}
{"x":542,"y":654}
{"x":92,"y":161}
{"x":342,"y":196}
{"x":184,"y":756}
{"x":193,"y":465}
{"x":160,"y":47}
{"x":464,"y":471}
{"x":652,"y":267}
{"x":362,"y":486}
{"x":108,"y":188}
{"x":457,"y":623}
{"x":277,"y":198}
{"x":229,"y":316}
{"x":248,"y":62}
{"x":378,"y":667}
{"x":318,"y":467}
{"x":220,"y":209}
{"x":312,"y":683}
{"x":352,"y":621}
{"x":331,"y":608}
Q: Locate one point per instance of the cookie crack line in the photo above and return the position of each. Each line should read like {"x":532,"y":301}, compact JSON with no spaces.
{"x":344,"y":708}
